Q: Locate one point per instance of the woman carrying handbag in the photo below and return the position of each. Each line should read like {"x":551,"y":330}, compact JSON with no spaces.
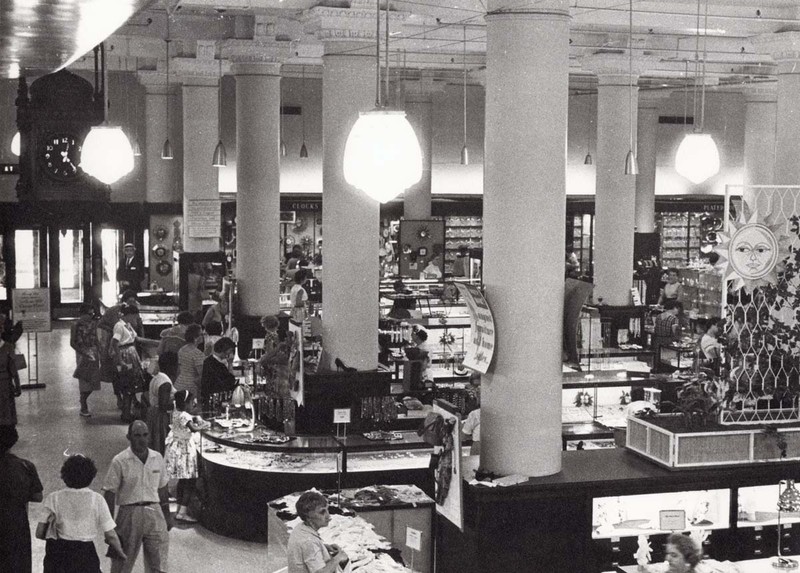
{"x":83,"y":339}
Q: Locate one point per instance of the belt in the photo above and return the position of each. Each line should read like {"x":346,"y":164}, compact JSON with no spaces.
{"x":140,"y":503}
{"x":127,"y":345}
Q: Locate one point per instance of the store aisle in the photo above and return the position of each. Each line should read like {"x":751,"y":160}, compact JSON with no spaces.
{"x":49,"y":426}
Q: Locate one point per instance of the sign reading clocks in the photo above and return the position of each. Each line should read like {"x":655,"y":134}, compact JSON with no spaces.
{"x":752,"y":249}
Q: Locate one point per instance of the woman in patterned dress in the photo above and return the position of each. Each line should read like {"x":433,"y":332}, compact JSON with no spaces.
{"x":83,"y":339}
{"x":181,"y":452}
{"x":128,"y":363}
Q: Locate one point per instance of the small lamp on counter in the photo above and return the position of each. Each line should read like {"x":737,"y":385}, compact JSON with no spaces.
{"x":788,"y":500}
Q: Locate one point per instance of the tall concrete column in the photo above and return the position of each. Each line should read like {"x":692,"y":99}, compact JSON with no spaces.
{"x":419,"y":102}
{"x":351,"y":218}
{"x":258,"y":125}
{"x":524,"y":204}
{"x":162,"y":184}
{"x":646,"y":147}
{"x":784,"y":47}
{"x":759,"y":134}
{"x":615,"y":197}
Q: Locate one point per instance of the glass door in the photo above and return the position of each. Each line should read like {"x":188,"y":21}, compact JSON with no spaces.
{"x":110,"y":248}
{"x":70,"y":267}
{"x":28,"y":251}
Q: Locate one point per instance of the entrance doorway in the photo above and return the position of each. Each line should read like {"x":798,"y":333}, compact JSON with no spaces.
{"x":110,"y":240}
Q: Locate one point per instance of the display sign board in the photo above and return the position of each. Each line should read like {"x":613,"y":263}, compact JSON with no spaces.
{"x":203,"y":218}
{"x":479,"y":348}
{"x":672,"y":519}
{"x":341,"y":415}
{"x":258,"y":344}
{"x":32,"y":307}
{"x":452,"y":506}
{"x":413,"y":539}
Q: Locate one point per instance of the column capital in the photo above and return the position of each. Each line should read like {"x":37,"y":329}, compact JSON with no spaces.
{"x":197,"y":72}
{"x":766,"y":92}
{"x":155,"y":82}
{"x":784,"y":47}
{"x":259,"y":55}
{"x":356,"y":23}
{"x":615,"y":68}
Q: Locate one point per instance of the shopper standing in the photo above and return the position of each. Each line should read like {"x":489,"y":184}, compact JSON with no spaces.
{"x":190,"y":361}
{"x":19,"y":484}
{"x":130,"y":272}
{"x":78,"y":515}
{"x":298,"y":296}
{"x":217,"y":376}
{"x":181,"y":452}
{"x":667,"y":327}
{"x":10,"y":387}
{"x":160,"y":396}
{"x":130,"y":380}
{"x":137,"y":480}
{"x":105,"y":330}
{"x":83,"y":339}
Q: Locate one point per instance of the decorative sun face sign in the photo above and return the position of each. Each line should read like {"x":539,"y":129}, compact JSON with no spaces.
{"x":752,"y":249}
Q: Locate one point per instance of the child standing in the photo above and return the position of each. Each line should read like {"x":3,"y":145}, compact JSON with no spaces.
{"x":77,"y":514}
{"x":181,"y":452}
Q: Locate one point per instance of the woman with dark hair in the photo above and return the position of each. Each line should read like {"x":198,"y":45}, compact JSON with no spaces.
{"x":181,"y":452}
{"x":10,"y":387}
{"x":306,"y":552}
{"x":77,"y":514}
{"x":130,"y":379}
{"x":83,"y":339}
{"x":19,"y":484}
{"x":683,"y":554}
{"x":159,"y":397}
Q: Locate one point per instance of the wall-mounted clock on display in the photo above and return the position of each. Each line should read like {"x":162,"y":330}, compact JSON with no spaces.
{"x":53,"y":122}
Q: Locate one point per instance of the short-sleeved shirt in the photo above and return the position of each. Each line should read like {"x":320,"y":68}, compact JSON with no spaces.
{"x":305,"y":552}
{"x":133,"y":481}
{"x":710,"y":346}
{"x":472,"y":425}
{"x":663,"y":325}
{"x":190,"y":369}
{"x":124,"y":333}
{"x":80,"y":513}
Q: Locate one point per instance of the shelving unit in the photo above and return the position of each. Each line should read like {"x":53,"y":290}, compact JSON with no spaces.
{"x":580,"y":235}
{"x":702,"y":292}
{"x":461,"y":230}
{"x":680,"y":238}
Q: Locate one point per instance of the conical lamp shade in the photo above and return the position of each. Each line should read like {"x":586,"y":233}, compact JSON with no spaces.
{"x":15,"y":144}
{"x":588,"y":159}
{"x":631,"y":165}
{"x":303,"y":151}
{"x":106,"y":154}
{"x":166,"y":151}
{"x":382,"y":156}
{"x":137,"y":151}
{"x":220,"y":155}
{"x":464,"y":156}
{"x":283,"y":148}
{"x":697,"y":158}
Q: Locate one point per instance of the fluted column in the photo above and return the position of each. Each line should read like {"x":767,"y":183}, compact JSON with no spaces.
{"x":523,"y":204}
{"x":615,"y":198}
{"x":784,"y":47}
{"x":258,"y":94}
{"x":162,"y":183}
{"x":646,"y":147}
{"x":200,"y":80}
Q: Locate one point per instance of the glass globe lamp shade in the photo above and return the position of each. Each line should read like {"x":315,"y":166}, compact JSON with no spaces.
{"x":697,"y":158}
{"x":382,"y":156}
{"x":15,"y":144}
{"x":107,"y":155}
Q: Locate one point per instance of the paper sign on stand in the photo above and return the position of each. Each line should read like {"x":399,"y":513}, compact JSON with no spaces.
{"x":672,"y":520}
{"x":413,"y":542}
{"x":32,"y":307}
{"x":341,"y":417}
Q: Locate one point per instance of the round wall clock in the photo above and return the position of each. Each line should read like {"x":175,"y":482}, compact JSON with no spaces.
{"x":60,"y":156}
{"x":163,"y":268}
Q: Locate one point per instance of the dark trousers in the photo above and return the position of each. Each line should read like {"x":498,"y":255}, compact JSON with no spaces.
{"x":65,"y":556}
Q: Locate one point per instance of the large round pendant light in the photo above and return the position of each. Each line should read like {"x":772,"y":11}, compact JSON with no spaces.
{"x":382,"y":156}
{"x":107,"y":154}
{"x":697,"y":158}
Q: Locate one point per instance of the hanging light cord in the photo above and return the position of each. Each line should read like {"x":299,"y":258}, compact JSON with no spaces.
{"x":465,"y":85}
{"x":386,"y":72}
{"x":378,"y":54}
{"x":696,"y":68}
{"x":303,"y":115}
{"x":166,"y":95}
{"x":219,"y":99}
{"x":105,"y":78}
{"x":630,"y":72}
{"x":703,"y":87}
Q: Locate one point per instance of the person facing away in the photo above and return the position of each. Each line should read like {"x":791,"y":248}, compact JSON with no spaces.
{"x":190,"y":361}
{"x":83,"y":339}
{"x":305,"y":552}
{"x":19,"y":484}
{"x":78,"y":515}
{"x":137,"y":481}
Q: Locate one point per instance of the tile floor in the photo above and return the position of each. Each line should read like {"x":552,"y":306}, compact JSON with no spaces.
{"x":49,"y":426}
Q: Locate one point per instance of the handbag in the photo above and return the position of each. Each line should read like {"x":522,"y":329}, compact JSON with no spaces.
{"x":20,"y":362}
{"x":52,"y":529}
{"x":87,"y":370}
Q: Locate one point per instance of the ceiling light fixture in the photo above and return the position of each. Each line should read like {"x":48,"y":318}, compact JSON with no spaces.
{"x":107,"y":154}
{"x":588,"y":159}
{"x":303,"y":148}
{"x":166,"y":149}
{"x":464,"y":150}
{"x":631,"y":165}
{"x":382,"y":156}
{"x":697,"y":158}
{"x":220,"y":155}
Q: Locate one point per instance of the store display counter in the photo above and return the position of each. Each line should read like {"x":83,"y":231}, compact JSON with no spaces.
{"x":389,"y":510}
{"x":746,"y":566}
{"x":549,"y":520}
{"x":240,"y":469}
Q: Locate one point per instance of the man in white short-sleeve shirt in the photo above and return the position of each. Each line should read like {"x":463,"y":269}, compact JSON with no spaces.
{"x":137,"y":481}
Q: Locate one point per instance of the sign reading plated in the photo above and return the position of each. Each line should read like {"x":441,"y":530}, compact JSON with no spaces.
{"x":203,"y":218}
{"x":480,"y":346}
{"x":32,"y":307}
{"x":672,"y":520}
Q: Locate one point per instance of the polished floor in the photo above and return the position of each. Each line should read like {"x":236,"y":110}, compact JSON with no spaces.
{"x":50,"y":427}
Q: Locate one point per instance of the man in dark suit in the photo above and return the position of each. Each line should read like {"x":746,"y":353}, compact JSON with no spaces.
{"x":216,"y":375}
{"x":131,"y":269}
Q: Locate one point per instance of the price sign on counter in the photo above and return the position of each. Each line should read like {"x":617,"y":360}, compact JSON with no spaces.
{"x":414,"y":538}
{"x":341,"y":415}
{"x":258,"y":344}
{"x":672,"y":520}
